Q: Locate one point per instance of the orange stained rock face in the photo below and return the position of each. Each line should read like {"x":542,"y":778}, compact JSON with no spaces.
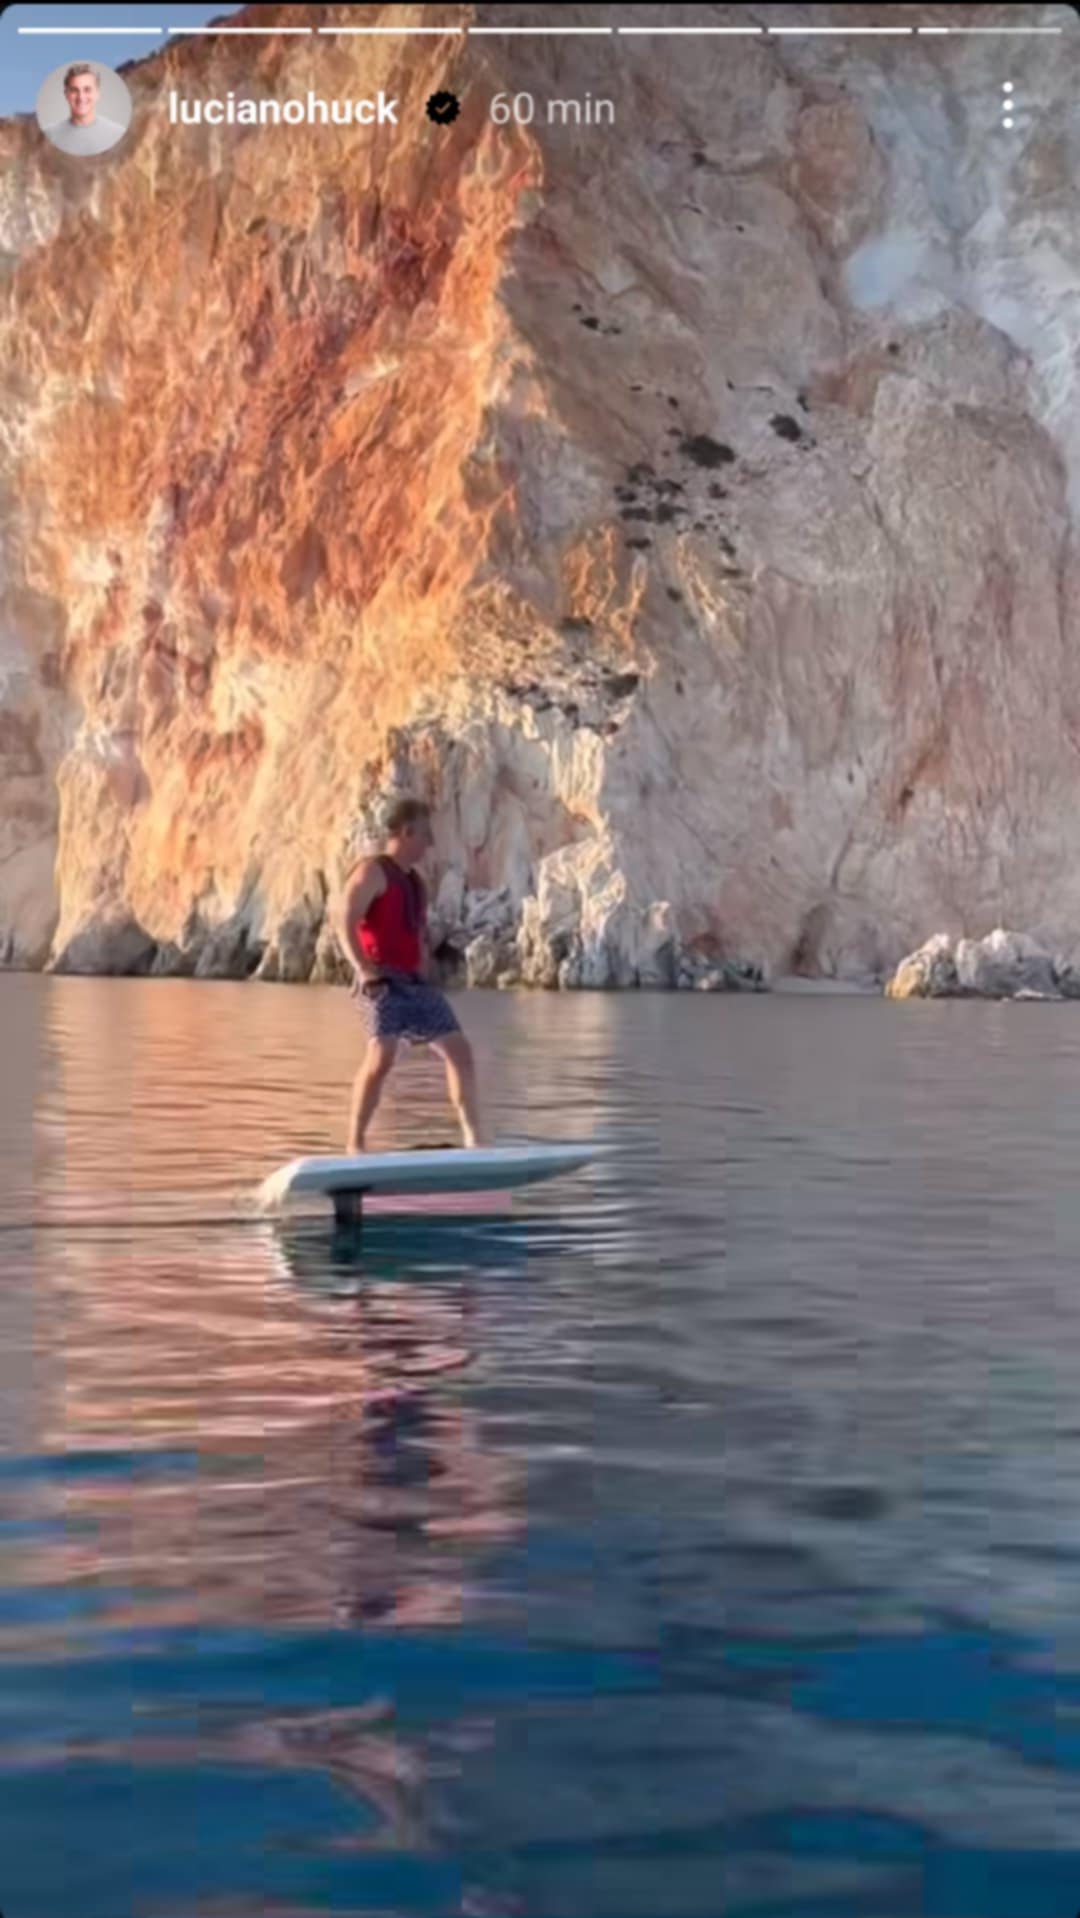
{"x":605,"y":484}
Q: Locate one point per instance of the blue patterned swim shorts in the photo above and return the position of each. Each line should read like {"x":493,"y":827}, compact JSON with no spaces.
{"x":401,"y":1005}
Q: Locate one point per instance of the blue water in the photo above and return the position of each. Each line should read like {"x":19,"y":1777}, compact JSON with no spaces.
{"x":696,"y":1536}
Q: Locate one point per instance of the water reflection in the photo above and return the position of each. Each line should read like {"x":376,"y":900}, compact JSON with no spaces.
{"x":318,"y":1256}
{"x":697,"y":1535}
{"x":336,"y":1472}
{"x":170,"y":1100}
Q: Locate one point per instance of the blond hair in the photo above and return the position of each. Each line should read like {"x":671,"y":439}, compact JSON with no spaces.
{"x":80,"y":67}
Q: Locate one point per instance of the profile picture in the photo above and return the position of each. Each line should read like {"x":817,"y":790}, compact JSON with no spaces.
{"x":83,"y":107}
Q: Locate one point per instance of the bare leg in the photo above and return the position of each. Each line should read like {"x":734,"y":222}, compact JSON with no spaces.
{"x":367,"y":1090}
{"x":456,"y":1052}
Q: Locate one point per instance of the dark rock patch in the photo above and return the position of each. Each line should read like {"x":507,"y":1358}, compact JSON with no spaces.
{"x":119,"y":947}
{"x":705,"y":451}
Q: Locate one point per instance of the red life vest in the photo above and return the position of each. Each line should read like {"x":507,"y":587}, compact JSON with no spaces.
{"x":391,"y":934}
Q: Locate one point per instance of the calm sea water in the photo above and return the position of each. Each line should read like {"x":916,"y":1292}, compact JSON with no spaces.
{"x":698,"y":1536}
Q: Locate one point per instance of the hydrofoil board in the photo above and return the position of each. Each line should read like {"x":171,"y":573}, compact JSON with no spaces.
{"x":349,"y":1180}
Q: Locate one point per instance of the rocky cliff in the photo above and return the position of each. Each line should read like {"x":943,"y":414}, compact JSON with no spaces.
{"x":687,"y":507}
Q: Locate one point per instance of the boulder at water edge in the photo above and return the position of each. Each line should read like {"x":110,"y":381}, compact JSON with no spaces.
{"x":1003,"y":965}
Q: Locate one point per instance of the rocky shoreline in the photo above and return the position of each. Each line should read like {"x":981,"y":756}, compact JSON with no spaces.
{"x":1003,"y":965}
{"x":479,"y":938}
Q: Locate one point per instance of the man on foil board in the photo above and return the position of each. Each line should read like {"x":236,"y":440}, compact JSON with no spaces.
{"x":383,"y":929}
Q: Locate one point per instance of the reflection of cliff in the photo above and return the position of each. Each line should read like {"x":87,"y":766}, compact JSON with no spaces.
{"x":337,"y":1473}
{"x":689,"y":510}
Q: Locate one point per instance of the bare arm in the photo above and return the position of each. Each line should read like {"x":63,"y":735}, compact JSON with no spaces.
{"x":362,"y":889}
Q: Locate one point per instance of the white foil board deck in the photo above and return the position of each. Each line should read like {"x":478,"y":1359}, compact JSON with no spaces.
{"x":460,"y":1169}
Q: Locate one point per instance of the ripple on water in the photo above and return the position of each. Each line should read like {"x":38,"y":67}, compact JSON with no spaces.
{"x":694,"y":1535}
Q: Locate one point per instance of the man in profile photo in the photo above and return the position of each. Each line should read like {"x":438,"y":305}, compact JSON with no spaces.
{"x":85,"y":130}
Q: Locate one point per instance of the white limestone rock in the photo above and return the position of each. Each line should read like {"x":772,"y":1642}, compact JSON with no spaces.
{"x":929,"y":973}
{"x":822,"y":690}
{"x":1003,"y":965}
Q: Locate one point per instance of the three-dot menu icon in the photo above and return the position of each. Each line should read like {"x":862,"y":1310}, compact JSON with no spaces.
{"x":1007,"y":92}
